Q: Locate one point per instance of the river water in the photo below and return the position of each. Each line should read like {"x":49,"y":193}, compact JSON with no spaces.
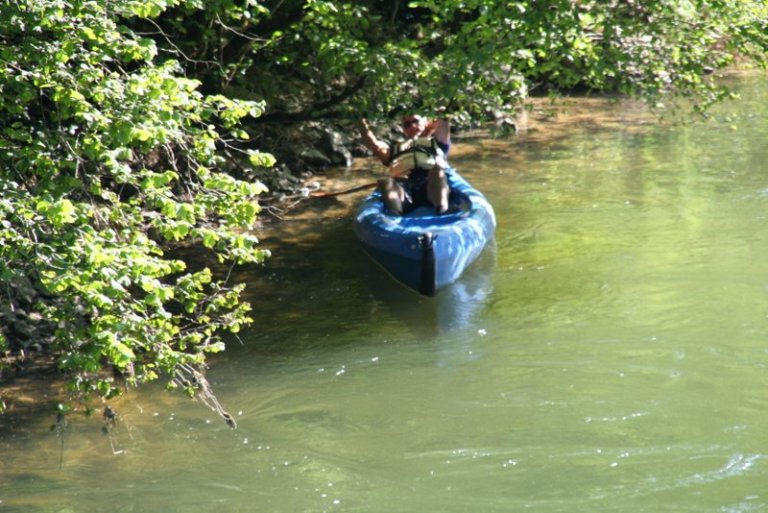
{"x":608,"y":353}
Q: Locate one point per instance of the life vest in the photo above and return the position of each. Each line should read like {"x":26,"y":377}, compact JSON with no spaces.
{"x":421,"y":152}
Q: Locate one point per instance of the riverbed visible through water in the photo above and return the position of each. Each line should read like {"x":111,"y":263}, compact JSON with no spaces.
{"x":608,"y":353}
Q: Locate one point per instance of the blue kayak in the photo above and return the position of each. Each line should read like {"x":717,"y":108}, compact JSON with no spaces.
{"x":423,"y":250}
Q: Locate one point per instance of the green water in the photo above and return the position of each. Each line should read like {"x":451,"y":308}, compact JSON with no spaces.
{"x":610,"y":353}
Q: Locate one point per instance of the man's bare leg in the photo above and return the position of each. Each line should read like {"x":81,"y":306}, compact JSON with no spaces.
{"x":437,"y":189}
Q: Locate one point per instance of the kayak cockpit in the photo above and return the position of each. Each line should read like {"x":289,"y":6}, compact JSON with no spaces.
{"x":459,"y":206}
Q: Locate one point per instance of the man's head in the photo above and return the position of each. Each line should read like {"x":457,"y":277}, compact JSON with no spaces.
{"x":413,"y":125}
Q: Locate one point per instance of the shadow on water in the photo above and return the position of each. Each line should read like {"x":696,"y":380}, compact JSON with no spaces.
{"x":30,"y":398}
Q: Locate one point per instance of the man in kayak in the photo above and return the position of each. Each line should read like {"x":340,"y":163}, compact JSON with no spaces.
{"x":416,"y":166}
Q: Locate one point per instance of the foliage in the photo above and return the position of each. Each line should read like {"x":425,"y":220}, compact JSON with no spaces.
{"x":312,"y":59}
{"x":109,"y":157}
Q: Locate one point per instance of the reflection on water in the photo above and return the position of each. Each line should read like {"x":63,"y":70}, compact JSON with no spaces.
{"x":608,"y":354}
{"x":452,"y":309}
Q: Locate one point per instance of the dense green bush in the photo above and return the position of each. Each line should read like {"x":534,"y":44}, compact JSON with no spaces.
{"x":109,"y":157}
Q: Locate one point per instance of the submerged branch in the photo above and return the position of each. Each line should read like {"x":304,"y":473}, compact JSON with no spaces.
{"x":192,"y":378}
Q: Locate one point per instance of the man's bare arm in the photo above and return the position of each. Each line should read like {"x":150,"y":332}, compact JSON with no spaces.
{"x":443,"y":131}
{"x":379,"y":148}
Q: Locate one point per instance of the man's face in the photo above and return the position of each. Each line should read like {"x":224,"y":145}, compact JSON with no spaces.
{"x":413,"y":125}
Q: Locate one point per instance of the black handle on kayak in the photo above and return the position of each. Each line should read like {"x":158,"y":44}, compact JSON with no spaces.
{"x":428,"y":265}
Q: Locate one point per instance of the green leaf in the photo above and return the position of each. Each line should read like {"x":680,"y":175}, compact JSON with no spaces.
{"x":259,"y":159}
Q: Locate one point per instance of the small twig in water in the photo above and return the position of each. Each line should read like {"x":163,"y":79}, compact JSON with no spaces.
{"x":60,"y":426}
{"x":110,"y":423}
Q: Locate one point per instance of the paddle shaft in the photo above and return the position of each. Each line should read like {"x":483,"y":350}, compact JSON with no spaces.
{"x":324,"y":194}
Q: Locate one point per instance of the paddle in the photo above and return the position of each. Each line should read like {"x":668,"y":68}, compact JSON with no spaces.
{"x":325,"y":194}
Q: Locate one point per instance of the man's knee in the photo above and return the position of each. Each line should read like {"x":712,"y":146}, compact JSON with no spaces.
{"x":386,"y":184}
{"x":392,"y":194}
{"x":437,"y":171}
